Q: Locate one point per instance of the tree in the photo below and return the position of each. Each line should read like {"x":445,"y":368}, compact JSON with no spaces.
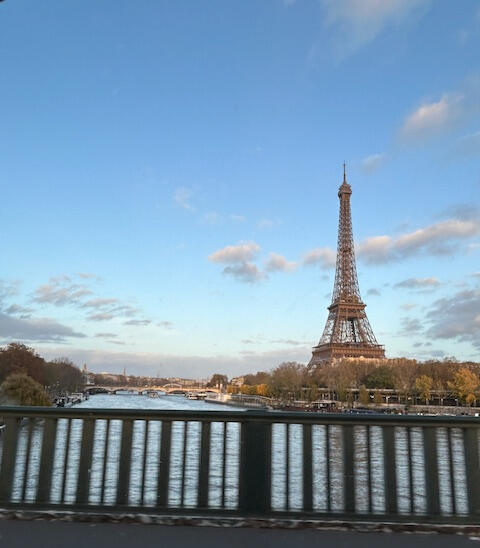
{"x":218,"y":381}
{"x":377,"y":398}
{"x":262,"y":390}
{"x":465,"y":385}
{"x":287,"y":379}
{"x":403,"y":377}
{"x":21,"y":389}
{"x":382,"y":377}
{"x":423,"y":385}
{"x":363,"y":395}
{"x":18,"y":358}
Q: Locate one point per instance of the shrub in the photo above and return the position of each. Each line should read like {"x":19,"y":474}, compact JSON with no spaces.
{"x":23,"y":390}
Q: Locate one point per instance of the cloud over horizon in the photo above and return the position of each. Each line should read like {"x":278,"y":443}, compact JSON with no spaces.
{"x":436,"y":239}
{"x":278,"y":263}
{"x":418,"y":283}
{"x":325,"y":257}
{"x":456,"y":317}
{"x":37,"y":330}
{"x":356,"y":23}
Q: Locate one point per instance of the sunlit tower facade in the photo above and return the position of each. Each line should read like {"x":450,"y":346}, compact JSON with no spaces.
{"x":347,"y":333}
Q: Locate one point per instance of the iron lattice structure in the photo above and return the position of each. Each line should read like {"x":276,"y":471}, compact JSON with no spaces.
{"x":347,"y":332}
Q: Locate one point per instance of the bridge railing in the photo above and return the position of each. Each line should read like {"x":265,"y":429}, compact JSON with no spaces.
{"x":242,"y":463}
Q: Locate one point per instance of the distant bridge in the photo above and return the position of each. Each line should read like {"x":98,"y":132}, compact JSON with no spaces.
{"x":167,"y":389}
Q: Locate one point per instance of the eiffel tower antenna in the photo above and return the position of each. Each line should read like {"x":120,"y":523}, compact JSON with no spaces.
{"x":347,"y":333}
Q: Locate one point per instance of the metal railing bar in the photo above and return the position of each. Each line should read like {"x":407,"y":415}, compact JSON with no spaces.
{"x":389,"y":470}
{"x":202,"y":496}
{"x":431,"y":470}
{"x":124,"y":469}
{"x":451,"y":467}
{"x":46,"y":460}
{"x":85,"y":466}
{"x":105,"y":461}
{"x":348,"y":470}
{"x":287,"y":467}
{"x":472,"y":468}
{"x":66,"y":457}
{"x":307,"y":468}
{"x":164,"y":464}
{"x":241,"y":416}
{"x":327,"y":467}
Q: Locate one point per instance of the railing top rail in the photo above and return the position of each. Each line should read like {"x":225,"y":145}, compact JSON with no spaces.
{"x":243,"y":415}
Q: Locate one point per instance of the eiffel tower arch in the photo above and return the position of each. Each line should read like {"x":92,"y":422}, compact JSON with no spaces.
{"x":347,"y":333}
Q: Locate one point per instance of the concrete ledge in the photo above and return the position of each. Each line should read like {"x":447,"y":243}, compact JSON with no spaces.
{"x":471,"y":530}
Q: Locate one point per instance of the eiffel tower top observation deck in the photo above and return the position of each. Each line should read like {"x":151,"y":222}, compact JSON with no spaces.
{"x":347,"y":333}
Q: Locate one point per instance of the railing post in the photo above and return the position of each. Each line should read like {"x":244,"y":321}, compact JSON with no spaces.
{"x":46,"y":460}
{"x":85,"y":465}
{"x":9,"y":454}
{"x":348,"y":469}
{"x":431,"y":470}
{"x":255,"y":466}
{"x":123,"y":482}
{"x":389,"y":470}
{"x":472,"y":468}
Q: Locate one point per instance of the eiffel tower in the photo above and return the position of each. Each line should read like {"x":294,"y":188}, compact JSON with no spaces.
{"x":347,"y":333}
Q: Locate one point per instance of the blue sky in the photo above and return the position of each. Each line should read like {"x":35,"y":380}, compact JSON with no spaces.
{"x":169,"y":175}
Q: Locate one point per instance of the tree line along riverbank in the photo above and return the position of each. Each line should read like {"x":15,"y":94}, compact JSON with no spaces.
{"x":28,"y":379}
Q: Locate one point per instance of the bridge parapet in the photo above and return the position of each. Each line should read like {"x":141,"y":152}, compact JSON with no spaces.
{"x":167,"y":389}
{"x":252,"y":463}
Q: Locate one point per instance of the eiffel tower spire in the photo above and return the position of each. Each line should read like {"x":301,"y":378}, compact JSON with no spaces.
{"x":347,"y":332}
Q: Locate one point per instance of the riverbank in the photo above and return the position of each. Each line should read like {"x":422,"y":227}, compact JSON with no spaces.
{"x":325,"y":406}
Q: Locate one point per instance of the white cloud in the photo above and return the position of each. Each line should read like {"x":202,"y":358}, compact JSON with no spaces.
{"x":60,"y":292}
{"x":245,"y":272}
{"x":372,"y":163}
{"x":408,"y":306}
{"x":322,"y":256}
{"x":138,"y":323}
{"x":278,"y":263}
{"x":238,"y":258}
{"x":232,"y":254}
{"x":98,"y":303}
{"x":182,"y":197}
{"x":418,"y":283}
{"x":358,"y":22}
{"x":456,"y":318}
{"x":435,"y":239}
{"x":430,"y":118}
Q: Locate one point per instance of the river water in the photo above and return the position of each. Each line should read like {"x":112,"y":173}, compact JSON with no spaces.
{"x":223,"y":487}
